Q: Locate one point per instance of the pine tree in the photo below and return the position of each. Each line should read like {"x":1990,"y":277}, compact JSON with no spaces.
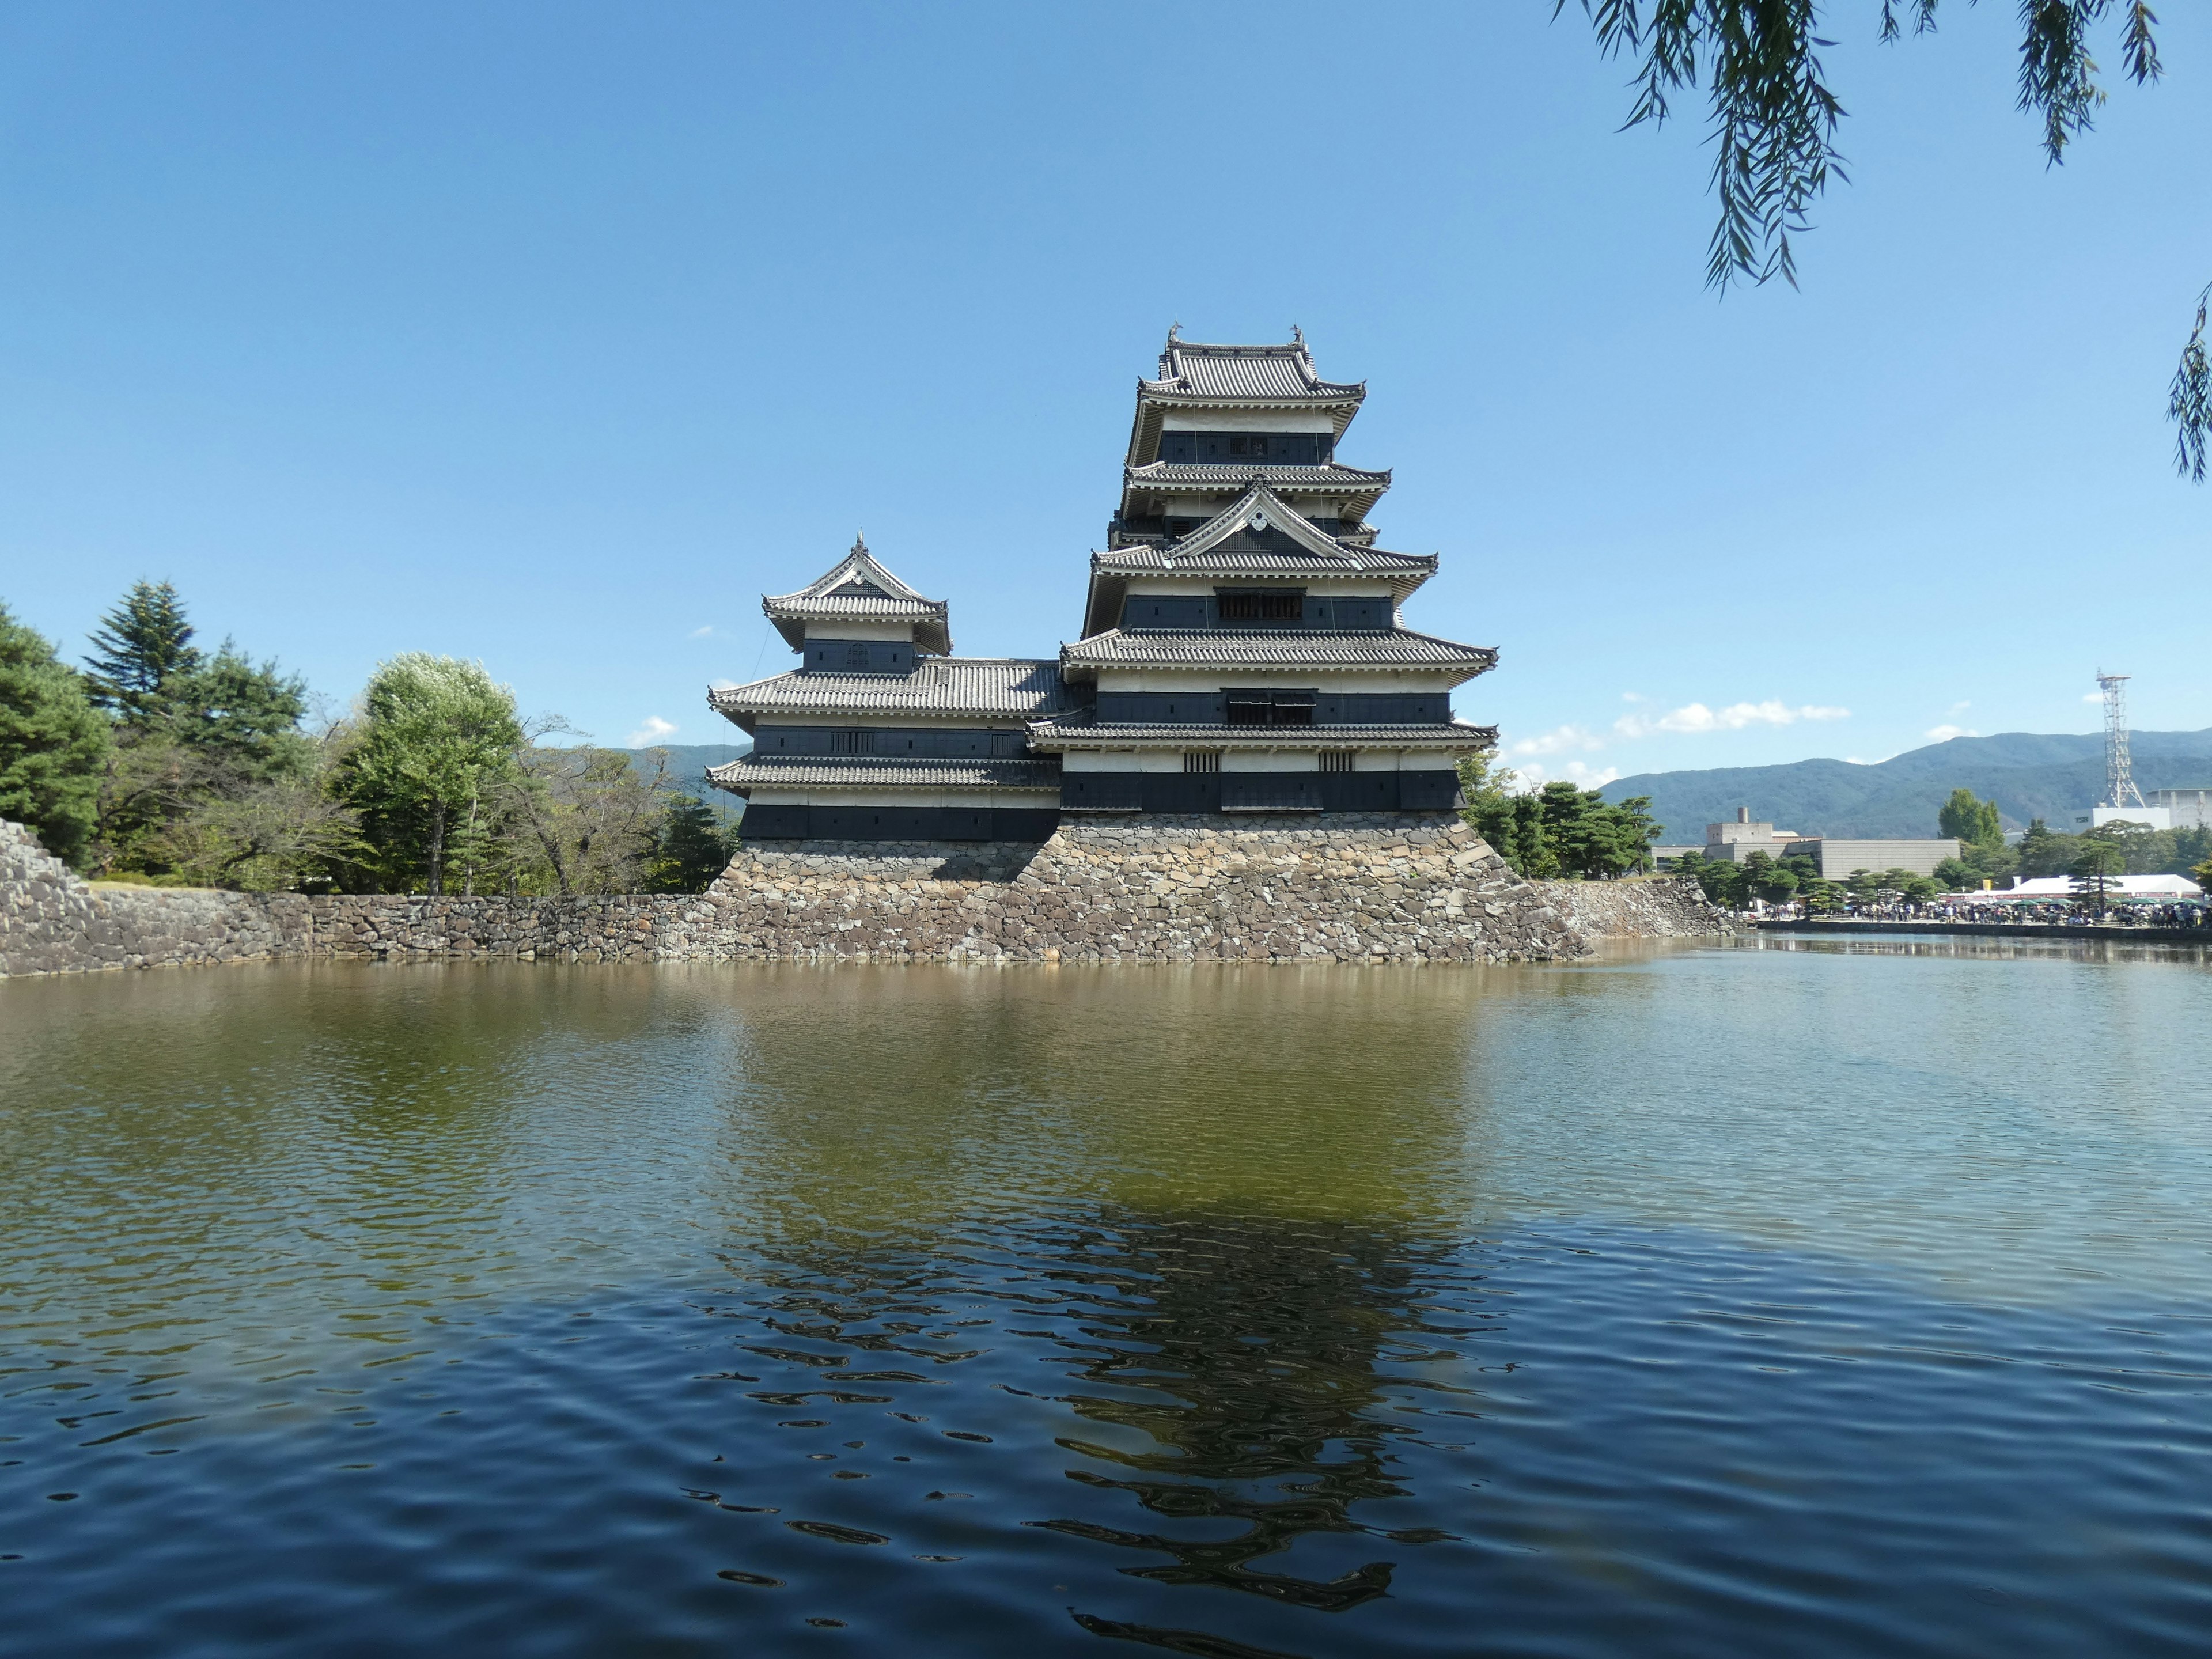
{"x":690,"y":849}
{"x":140,"y":646}
{"x":53,"y":742}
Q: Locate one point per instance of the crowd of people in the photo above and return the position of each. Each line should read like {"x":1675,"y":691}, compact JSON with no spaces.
{"x":2017,"y":913}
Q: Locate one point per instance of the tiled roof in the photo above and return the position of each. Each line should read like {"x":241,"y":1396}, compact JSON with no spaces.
{"x":1256,"y":647}
{"x":1084,"y":731}
{"x":1260,"y":531}
{"x":857,"y":589}
{"x":1258,"y":534}
{"x":816,"y":772}
{"x":985,"y":688}
{"x":1272,"y":373}
{"x":1227,"y":475}
{"x":1139,"y":558}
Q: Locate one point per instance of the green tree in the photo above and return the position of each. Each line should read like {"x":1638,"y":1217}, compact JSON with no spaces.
{"x":1512,"y":823}
{"x":690,"y":848}
{"x":1975,"y":823}
{"x":435,"y":749}
{"x":215,"y":730}
{"x":1775,"y":118}
{"x":588,"y":818}
{"x":1722,"y":882}
{"x":53,"y":742}
{"x":2097,"y":864}
{"x":2044,"y":852}
{"x":1906,"y":885}
{"x":1822,"y":897}
{"x":138,"y":649}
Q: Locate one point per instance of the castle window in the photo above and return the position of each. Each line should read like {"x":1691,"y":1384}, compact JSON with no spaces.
{"x":1271,"y":707}
{"x":1336,"y":760}
{"x":1201,"y":760}
{"x":1261,"y":603}
{"x":856,"y":656}
{"x":1252,"y":446}
{"x":852,"y":742}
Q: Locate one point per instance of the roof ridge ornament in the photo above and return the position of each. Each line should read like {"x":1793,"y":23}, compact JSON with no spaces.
{"x":1297,"y":337}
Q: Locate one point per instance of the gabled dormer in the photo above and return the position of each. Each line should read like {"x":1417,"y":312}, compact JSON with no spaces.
{"x":1221,"y":416}
{"x":1257,"y":540}
{"x":858,"y":618}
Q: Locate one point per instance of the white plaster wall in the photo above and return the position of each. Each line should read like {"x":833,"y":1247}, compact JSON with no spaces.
{"x":1215,"y":679}
{"x":1352,"y":588}
{"x":859,"y":630}
{"x":1246,"y":420}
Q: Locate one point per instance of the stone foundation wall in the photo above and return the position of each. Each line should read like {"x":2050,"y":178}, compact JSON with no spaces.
{"x":1396,"y":887}
{"x":50,"y":922}
{"x":1386,"y":888}
{"x":1661,"y":907}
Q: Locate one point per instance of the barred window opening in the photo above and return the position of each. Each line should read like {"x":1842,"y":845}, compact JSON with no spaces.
{"x":1336,"y":760}
{"x":1201,"y":760}
{"x":852,"y":742}
{"x":1261,"y":605}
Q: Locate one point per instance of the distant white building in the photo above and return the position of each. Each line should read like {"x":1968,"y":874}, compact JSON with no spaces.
{"x":1734,"y":843}
{"x":2096,"y":817}
{"x":2190,"y":809}
{"x":2166,"y":888}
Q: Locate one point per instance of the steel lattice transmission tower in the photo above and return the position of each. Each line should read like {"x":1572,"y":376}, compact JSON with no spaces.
{"x":2119,"y":770}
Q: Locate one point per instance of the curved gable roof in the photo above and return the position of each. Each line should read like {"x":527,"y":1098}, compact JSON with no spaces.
{"x":860,"y":588}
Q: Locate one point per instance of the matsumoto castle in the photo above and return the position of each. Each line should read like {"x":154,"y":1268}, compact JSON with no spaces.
{"x":1243,"y":650}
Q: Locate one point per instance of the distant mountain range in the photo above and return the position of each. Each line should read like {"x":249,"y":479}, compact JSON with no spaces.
{"x":2028,"y":776}
{"x":687,"y":768}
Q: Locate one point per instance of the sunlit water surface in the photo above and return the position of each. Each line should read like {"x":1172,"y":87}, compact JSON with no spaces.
{"x":1724,"y":1302}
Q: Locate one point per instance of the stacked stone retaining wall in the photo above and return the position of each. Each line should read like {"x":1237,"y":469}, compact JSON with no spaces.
{"x":1662,"y":907}
{"x":51,"y":921}
{"x":1397,"y":888}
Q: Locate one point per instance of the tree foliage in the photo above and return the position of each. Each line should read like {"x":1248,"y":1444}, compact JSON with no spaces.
{"x":198,"y":740}
{"x":2143,"y":851}
{"x":1774,"y":120}
{"x":2097,"y":861}
{"x":53,"y":742}
{"x":692,"y":847}
{"x":1559,"y":830}
{"x":433,"y":753}
{"x":1974,"y":821}
{"x":585,"y":820}
{"x":1760,"y":876}
{"x":137,"y":648}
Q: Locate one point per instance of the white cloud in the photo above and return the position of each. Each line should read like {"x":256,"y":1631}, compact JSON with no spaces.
{"x":2093,"y":696}
{"x":700,"y":632}
{"x":1945,"y":733}
{"x":724,"y":685}
{"x":1557,"y":741}
{"x":1632,"y":696}
{"x":1696,"y":717}
{"x":1582,"y":772}
{"x":655,"y":730}
{"x":1958,"y":708}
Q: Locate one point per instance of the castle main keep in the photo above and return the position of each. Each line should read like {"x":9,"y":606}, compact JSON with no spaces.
{"x":1243,"y":651}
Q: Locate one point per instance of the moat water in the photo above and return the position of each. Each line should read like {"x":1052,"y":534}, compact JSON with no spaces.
{"x":1712,"y":1302}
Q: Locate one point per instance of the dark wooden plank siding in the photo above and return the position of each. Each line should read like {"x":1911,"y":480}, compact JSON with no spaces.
{"x":859,"y":657}
{"x":1199,"y":707}
{"x":901,"y":743}
{"x":1329,"y":610}
{"x":1260,"y":448}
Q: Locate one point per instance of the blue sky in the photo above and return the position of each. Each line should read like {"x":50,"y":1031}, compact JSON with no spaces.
{"x":554,"y":335}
